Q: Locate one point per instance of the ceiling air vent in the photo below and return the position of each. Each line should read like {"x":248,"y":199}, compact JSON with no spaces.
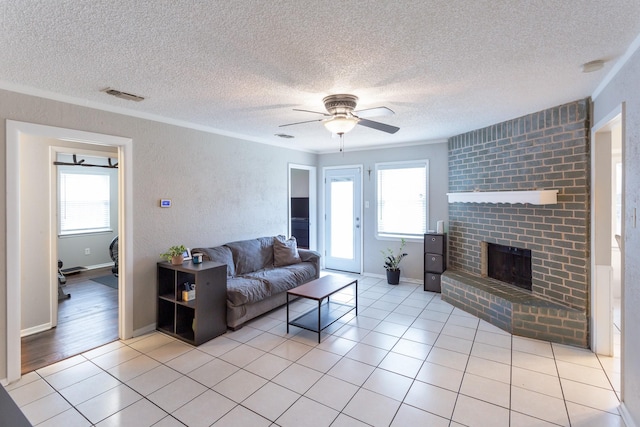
{"x":123,"y":95}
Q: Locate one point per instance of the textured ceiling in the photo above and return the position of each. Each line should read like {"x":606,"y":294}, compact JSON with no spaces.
{"x":239,"y":67}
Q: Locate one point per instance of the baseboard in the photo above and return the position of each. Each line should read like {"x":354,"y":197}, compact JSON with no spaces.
{"x":97,"y":266}
{"x":35,"y":329}
{"x":144,"y":330}
{"x":626,"y":416}
{"x":402,"y":279}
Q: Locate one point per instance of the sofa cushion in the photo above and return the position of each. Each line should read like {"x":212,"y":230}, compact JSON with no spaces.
{"x":285,"y":252}
{"x":284,"y":278}
{"x":246,"y":290}
{"x":221,"y":254}
{"x":252,"y":255}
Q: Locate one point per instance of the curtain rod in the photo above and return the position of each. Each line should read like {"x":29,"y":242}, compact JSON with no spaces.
{"x":82,"y":163}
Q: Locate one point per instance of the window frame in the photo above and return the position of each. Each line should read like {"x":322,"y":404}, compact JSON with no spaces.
{"x":74,"y":170}
{"x":390,"y":235}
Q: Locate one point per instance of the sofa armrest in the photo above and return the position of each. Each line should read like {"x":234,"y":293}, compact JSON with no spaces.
{"x":307,"y":255}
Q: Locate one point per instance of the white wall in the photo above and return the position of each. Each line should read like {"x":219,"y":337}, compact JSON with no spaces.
{"x":623,"y":88}
{"x":222,"y":189}
{"x":299,"y":183}
{"x":413,"y":265}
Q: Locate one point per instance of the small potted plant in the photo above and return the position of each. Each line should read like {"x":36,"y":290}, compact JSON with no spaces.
{"x":175,"y":254}
{"x":392,"y":263}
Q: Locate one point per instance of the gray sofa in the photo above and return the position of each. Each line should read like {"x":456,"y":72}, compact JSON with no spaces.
{"x":259,"y":272}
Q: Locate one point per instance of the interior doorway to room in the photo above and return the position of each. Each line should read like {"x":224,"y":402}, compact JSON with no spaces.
{"x":85,"y":313}
{"x":343,"y":219}
{"x":302,"y":199}
{"x":29,"y":172}
{"x":607,"y":243}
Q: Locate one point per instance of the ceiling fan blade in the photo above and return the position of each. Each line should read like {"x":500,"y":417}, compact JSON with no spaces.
{"x":299,"y":123}
{"x":309,"y":111}
{"x":378,"y":126}
{"x":375,"y":112}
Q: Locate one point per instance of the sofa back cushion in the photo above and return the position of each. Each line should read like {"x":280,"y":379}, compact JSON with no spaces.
{"x":221,"y":254}
{"x":252,"y":255}
{"x":285,"y":252}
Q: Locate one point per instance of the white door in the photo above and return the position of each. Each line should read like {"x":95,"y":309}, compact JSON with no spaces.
{"x":343,"y":219}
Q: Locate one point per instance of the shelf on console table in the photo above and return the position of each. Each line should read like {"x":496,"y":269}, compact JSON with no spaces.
{"x":534,"y":197}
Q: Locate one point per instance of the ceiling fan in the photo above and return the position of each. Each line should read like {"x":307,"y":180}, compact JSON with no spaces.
{"x":341,"y":116}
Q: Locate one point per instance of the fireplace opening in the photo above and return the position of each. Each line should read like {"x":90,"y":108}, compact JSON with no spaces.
{"x":509,"y":264}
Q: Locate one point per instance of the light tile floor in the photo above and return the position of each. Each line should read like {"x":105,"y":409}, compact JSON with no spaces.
{"x":407,"y":359}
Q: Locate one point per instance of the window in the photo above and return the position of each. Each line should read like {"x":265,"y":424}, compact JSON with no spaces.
{"x":84,"y":202}
{"x":402,"y":199}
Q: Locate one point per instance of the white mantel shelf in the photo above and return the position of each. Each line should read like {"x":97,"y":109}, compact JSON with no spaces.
{"x":533,"y":197}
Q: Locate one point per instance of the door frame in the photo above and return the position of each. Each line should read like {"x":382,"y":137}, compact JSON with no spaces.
{"x":15,"y":131}
{"x":324,"y":210}
{"x":313,"y":202}
{"x":601,"y":292}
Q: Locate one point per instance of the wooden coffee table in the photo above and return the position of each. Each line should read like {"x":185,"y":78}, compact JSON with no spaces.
{"x":326,"y":313}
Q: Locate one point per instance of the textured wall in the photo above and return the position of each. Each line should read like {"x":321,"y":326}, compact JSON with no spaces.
{"x":544,"y":150}
{"x":222,"y":188}
{"x":413,"y":265}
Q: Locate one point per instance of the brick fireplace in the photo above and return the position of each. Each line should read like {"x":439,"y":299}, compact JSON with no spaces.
{"x":544,"y":150}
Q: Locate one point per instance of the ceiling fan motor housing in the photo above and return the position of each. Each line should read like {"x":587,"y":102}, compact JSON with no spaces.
{"x":342,"y":104}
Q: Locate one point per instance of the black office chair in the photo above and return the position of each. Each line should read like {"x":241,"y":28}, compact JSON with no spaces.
{"x":113,"y":253}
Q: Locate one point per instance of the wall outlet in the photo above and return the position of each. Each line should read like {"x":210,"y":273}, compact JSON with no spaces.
{"x":87,"y":251}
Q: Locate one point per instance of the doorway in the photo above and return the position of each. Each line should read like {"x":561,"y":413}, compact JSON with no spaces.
{"x":607,"y":243}
{"x":84,"y":195}
{"x":343,"y":219}
{"x":302,"y":203}
{"x":21,"y":136}
{"x":607,"y":234}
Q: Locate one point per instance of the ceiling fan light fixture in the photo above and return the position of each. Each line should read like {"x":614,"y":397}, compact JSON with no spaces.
{"x":340,"y":124}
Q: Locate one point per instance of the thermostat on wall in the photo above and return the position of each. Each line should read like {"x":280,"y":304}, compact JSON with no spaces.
{"x":165,"y":203}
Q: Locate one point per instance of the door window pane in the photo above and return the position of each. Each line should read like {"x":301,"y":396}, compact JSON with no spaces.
{"x":342,"y":233}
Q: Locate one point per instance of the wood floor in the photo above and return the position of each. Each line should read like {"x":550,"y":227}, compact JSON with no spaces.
{"x":87,"y":320}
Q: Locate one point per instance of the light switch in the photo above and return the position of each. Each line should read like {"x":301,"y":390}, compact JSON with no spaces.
{"x":165,"y":203}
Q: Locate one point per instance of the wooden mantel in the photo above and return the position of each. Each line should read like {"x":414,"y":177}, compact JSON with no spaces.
{"x":533,"y":197}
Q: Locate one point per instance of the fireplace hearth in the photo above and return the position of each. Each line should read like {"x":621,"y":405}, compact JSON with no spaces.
{"x":509,"y":264}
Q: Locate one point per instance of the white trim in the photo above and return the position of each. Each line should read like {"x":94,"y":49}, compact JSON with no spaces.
{"x":600,"y":320}
{"x":402,"y":164}
{"x":534,"y":197}
{"x":144,"y":330}
{"x":402,"y":278}
{"x":607,"y":122}
{"x":635,"y":44}
{"x":142,"y":115}
{"x":395,"y":145}
{"x":14,"y":131}
{"x":36,"y":329}
{"x":323,"y":216}
{"x":13,"y":311}
{"x":626,"y":416}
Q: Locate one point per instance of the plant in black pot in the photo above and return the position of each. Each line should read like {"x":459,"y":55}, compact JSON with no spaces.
{"x":392,"y":263}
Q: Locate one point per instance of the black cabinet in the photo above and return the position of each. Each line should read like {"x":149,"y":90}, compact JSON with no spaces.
{"x":198,"y":320}
{"x":300,"y":230}
{"x":435,"y":260}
